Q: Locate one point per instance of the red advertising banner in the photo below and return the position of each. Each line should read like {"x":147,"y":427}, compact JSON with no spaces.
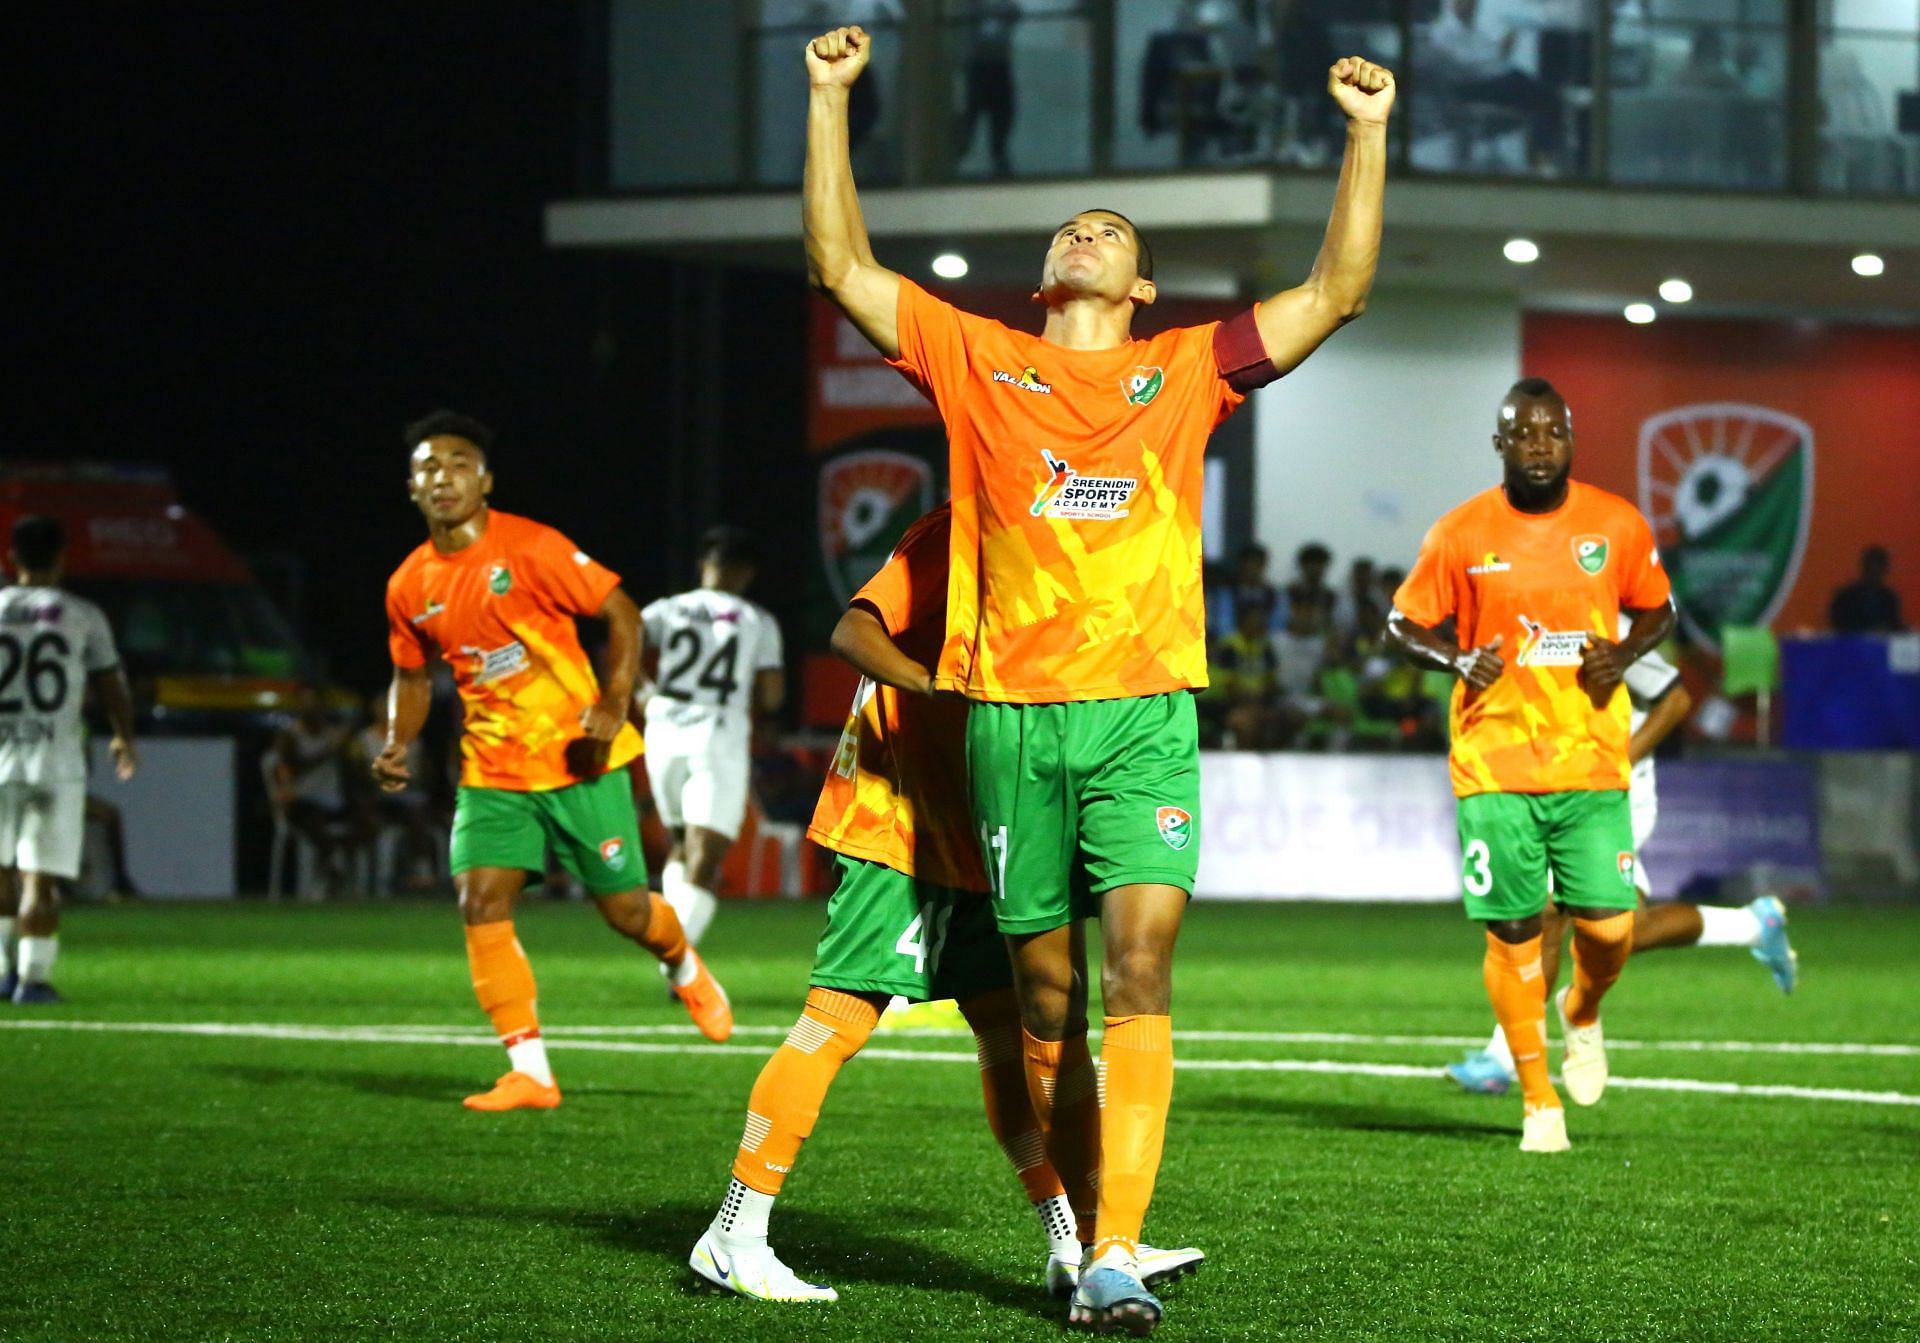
{"x":1767,"y":454}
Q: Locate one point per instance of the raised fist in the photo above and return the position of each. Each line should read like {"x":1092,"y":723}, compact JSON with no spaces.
{"x":1363,"y":90}
{"x":835,"y":59}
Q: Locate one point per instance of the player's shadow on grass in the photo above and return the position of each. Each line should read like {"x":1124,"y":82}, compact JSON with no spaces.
{"x":1356,"y":1118}
{"x":409,"y":1086}
{"x":834,"y":1249}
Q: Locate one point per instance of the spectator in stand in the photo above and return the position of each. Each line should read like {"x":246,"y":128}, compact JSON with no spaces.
{"x":1240,"y":708}
{"x":1309,"y":586}
{"x":1868,"y":605}
{"x":1248,"y":585}
{"x":1474,"y":65}
{"x":1362,"y":591}
{"x":308,"y":782}
{"x":411,"y":811}
{"x":1302,"y":648}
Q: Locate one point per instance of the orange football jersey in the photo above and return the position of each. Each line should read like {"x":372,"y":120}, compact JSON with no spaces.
{"x":501,"y":614}
{"x":1077,"y":478}
{"x":1543,"y":583}
{"x":896,"y":792}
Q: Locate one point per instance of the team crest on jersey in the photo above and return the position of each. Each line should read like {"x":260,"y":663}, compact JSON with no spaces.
{"x":1590,"y":552}
{"x":1542,"y":647}
{"x":1142,"y":385}
{"x":499,"y":581}
{"x":613,"y":852}
{"x":1175,"y":825}
{"x":1028,"y":381}
{"x":1065,"y":493}
{"x":1490,"y":563}
{"x":1624,"y":861}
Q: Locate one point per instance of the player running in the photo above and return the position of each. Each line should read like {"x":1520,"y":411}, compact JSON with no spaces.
{"x":1545,"y":567}
{"x":720,"y":665}
{"x":1660,"y":706}
{"x":1075,"y":621}
{"x":910,"y":916}
{"x":545,"y":749}
{"x":54,"y":646}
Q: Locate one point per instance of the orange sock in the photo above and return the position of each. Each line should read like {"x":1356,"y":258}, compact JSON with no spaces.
{"x":787,"y":1096}
{"x":1137,"y":1053}
{"x":1064,"y":1091}
{"x":995,"y":1020}
{"x":664,"y":937}
{"x":1519,"y":997}
{"x":1600,"y":951}
{"x":502,"y":980}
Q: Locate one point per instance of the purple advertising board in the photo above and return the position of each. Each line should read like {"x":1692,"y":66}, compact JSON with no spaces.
{"x":1726,"y":818}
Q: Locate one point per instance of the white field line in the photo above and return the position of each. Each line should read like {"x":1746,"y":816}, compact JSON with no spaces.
{"x":1304,"y":1038}
{"x":1334,"y":1067}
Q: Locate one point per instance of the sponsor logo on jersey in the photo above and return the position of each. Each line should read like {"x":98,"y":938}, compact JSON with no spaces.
{"x":434,"y":608}
{"x":499,"y":581}
{"x":1065,"y":493}
{"x":1590,"y":553}
{"x":1542,"y":647}
{"x":1028,"y":381}
{"x":1175,"y":825}
{"x":1142,"y":385}
{"x":866,"y":500}
{"x":27,"y":731}
{"x":493,"y":664}
{"x":1728,"y":487}
{"x":1490,"y":563}
{"x":613,"y":852}
{"x":1624,"y":861}
{"x":31,"y":615}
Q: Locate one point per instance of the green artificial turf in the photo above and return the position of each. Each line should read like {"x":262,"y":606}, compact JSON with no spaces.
{"x":173,"y":1186}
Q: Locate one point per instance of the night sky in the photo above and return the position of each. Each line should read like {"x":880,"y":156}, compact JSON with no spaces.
{"x":262,"y":238}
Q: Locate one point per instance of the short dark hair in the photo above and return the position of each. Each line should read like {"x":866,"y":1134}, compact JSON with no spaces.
{"x":38,"y":541}
{"x":1313,"y":553}
{"x":1253,"y":550}
{"x":1536,"y":388}
{"x":436,"y":423}
{"x":726,"y":546}
{"x":1144,"y":264}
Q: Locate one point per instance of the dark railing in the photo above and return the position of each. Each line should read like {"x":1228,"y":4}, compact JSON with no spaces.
{"x":1813,"y":97}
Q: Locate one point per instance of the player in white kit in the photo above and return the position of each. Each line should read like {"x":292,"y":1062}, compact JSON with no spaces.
{"x":1660,"y":705}
{"x":53,"y":647}
{"x":719,"y":666}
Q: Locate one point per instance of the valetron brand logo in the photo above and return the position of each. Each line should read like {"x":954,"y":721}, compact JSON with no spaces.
{"x":1065,"y":493}
{"x":1028,"y":381}
{"x":1729,"y":489}
{"x":1142,"y":385}
{"x":1490,"y":563}
{"x":1590,"y":553}
{"x":1542,"y":647}
{"x":434,"y":608}
{"x":1175,"y":825}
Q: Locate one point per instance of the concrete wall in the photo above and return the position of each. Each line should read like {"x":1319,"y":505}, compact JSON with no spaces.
{"x":1385,"y":428}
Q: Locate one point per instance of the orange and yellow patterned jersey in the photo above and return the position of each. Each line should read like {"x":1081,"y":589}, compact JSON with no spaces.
{"x":1077,"y":480}
{"x":501,"y":614}
{"x":1541,"y":583}
{"x":896,"y":792}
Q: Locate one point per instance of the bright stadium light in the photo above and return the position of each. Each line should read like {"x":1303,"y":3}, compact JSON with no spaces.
{"x":1869,"y":265}
{"x":1521,"y":251}
{"x":1639,"y":313}
{"x":1676,"y":291}
{"x":950,"y":266}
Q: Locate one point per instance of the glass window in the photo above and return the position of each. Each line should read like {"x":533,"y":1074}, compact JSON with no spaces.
{"x":667,"y":91}
{"x":1699,"y":94}
{"x":1022,"y":87}
{"x":166,"y":628}
{"x":1502,"y":87}
{"x":1869,"y":112}
{"x":874,"y":111}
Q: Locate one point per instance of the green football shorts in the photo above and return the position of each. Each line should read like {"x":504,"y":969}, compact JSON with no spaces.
{"x":1075,"y":799}
{"x":591,"y":826}
{"x":891,"y":933}
{"x":1510,"y":843}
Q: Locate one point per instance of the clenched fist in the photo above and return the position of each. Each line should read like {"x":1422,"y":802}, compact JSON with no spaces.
{"x":1363,"y":90}
{"x":835,"y":59}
